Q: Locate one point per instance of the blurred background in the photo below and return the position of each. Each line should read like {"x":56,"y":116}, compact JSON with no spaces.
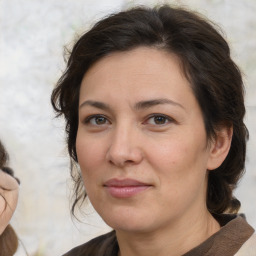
{"x":33,"y":34}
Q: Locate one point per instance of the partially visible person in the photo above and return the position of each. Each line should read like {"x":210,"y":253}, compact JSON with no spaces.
{"x":9,"y":190}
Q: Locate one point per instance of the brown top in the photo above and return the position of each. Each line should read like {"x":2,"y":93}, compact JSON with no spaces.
{"x":227,"y":241}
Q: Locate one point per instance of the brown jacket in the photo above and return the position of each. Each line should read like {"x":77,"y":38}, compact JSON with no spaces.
{"x":227,"y":241}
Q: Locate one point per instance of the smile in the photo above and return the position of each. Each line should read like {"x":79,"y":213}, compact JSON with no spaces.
{"x":125,"y":188}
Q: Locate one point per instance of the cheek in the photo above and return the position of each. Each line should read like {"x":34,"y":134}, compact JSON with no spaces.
{"x":2,"y":205}
{"x":169,"y":153}
{"x":181,"y":174}
{"x":90,"y":156}
{"x":179,"y":160}
{"x":86,"y":150}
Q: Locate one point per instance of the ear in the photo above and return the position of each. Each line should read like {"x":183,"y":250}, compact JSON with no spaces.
{"x":220,"y":147}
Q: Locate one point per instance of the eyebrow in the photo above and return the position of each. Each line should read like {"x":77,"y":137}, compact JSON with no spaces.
{"x":96,"y":104}
{"x":151,"y":103}
{"x":138,"y":106}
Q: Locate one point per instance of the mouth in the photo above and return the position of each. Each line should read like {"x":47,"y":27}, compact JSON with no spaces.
{"x":125,"y":188}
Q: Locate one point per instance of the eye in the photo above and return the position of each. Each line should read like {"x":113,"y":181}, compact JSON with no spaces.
{"x":96,"y":120}
{"x":158,"y":119}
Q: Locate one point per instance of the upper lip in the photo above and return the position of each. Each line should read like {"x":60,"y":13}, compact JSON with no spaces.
{"x":124,"y":183}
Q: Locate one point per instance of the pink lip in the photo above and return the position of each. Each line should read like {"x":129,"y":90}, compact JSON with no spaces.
{"x":125,"y":188}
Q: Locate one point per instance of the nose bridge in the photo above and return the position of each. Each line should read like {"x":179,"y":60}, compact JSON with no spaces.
{"x":121,"y":134}
{"x":124,"y":147}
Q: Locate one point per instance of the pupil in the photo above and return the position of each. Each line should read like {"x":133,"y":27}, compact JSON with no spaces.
{"x":159,"y":120}
{"x":100,"y":120}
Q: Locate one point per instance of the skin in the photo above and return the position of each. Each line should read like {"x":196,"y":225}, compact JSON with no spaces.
{"x":9,"y":190}
{"x":148,"y":127}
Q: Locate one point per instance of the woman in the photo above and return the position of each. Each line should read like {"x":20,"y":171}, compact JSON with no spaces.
{"x":154,"y":112}
{"x":9,"y":189}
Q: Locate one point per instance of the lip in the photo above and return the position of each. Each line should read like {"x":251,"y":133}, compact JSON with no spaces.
{"x":125,"y":188}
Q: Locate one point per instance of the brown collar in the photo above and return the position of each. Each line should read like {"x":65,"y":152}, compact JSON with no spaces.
{"x":234,"y":232}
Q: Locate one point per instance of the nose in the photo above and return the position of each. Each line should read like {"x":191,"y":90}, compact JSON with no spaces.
{"x":124,"y":148}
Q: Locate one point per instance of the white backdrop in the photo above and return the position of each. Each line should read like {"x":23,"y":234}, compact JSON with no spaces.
{"x":32,"y":34}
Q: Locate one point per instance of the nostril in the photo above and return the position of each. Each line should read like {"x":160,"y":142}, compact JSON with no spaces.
{"x":128,"y":161}
{"x":120,"y":162}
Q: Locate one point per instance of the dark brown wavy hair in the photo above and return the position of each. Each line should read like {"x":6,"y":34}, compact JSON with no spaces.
{"x":205,"y":56}
{"x":8,"y":239}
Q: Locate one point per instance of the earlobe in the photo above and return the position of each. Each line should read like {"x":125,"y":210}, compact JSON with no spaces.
{"x":220,"y":147}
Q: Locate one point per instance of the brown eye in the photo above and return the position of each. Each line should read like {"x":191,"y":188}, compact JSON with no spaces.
{"x":96,"y":120}
{"x":100,"y":120}
{"x":160,"y":119}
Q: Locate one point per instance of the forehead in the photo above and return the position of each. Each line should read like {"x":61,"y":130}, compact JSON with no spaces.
{"x":143,"y":59}
{"x":142,"y":67}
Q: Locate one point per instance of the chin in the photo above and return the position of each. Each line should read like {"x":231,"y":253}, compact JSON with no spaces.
{"x":130,"y":221}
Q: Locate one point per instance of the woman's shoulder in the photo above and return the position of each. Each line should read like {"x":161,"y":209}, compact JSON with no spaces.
{"x":104,"y":245}
{"x":248,"y":248}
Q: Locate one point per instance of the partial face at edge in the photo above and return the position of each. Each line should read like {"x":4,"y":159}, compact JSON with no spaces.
{"x":9,"y":190}
{"x":141,"y":141}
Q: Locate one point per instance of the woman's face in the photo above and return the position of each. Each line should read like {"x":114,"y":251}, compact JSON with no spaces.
{"x":141,"y":141}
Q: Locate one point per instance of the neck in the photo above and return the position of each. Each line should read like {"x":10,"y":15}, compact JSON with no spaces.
{"x":174,"y":239}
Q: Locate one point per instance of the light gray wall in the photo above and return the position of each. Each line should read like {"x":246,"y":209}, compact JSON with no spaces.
{"x":33,"y":33}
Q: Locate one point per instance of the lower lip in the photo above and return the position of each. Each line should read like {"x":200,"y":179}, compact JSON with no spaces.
{"x":126,"y":192}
